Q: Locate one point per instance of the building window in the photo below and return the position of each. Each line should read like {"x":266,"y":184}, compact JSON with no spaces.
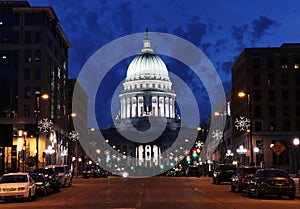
{"x":256,"y":63}
{"x":284,"y":78}
{"x":27,"y":92}
{"x":37,"y":74}
{"x":26,"y":111}
{"x":258,"y":126}
{"x":27,"y":74}
{"x":37,"y":90}
{"x":27,"y":37}
{"x":297,"y":78}
{"x":284,"y":64}
{"x":273,"y":126}
{"x":285,"y":111}
{"x":38,"y":37}
{"x":257,"y":95}
{"x":286,"y":126}
{"x":272,"y":95}
{"x":296,"y":63}
{"x":35,"y":19}
{"x":38,"y":55}
{"x":27,"y":56}
{"x":257,"y":111}
{"x":272,"y":111}
{"x":256,"y":79}
{"x":285,"y":95}
{"x":271,"y":79}
{"x":270,"y":63}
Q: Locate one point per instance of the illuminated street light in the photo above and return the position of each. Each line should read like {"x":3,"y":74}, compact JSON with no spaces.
{"x":243,"y":94}
{"x":37,"y":113}
{"x":296,"y":142}
{"x":242,"y":151}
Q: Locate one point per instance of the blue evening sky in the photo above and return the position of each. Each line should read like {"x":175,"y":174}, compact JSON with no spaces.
{"x":221,"y":29}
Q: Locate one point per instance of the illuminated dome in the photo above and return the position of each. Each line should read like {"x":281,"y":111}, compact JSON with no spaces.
{"x":147,"y":65}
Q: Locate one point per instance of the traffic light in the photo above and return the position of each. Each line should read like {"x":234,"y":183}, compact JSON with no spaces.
{"x":188,"y":158}
{"x":194,"y":153}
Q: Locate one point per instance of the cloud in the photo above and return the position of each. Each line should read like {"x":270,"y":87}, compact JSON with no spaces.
{"x":193,"y":31}
{"x":238,"y":32}
{"x":260,"y":26}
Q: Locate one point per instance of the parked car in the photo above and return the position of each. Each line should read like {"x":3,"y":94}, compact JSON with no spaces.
{"x":64,"y":174}
{"x":94,"y":171}
{"x":42,"y":184}
{"x":17,"y":185}
{"x":193,"y":171}
{"x":241,"y":176}
{"x":271,"y":182}
{"x":51,"y":177}
{"x":223,"y":173}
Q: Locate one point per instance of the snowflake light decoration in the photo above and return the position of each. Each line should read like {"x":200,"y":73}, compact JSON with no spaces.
{"x":217,"y":134}
{"x":74,"y":135}
{"x":199,"y":144}
{"x":242,"y":123}
{"x":45,"y":125}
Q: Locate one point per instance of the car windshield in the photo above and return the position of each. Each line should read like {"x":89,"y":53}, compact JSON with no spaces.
{"x":273,"y":173}
{"x":59,"y":169}
{"x":250,"y":170}
{"x":49,"y":171}
{"x":91,"y":167}
{"x":38,"y":178}
{"x":39,"y":170}
{"x":13,"y":179}
{"x":227,"y":167}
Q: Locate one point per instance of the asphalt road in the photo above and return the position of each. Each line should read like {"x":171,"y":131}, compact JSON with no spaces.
{"x":150,"y":193}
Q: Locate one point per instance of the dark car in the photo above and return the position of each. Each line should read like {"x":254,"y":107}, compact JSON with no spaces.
{"x":94,"y":171}
{"x":271,"y":182}
{"x":240,"y":178}
{"x":223,"y":173}
{"x":42,"y":184}
{"x":51,"y":177}
{"x":193,"y":171}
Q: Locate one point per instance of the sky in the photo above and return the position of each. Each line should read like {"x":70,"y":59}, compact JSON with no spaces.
{"x":220,"y":29}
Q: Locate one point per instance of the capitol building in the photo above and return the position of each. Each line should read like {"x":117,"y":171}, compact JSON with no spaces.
{"x":147,"y":124}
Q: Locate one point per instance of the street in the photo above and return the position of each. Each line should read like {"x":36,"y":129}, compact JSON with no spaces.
{"x":150,"y":193}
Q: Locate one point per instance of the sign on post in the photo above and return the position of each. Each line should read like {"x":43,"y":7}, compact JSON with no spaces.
{"x":278,"y":148}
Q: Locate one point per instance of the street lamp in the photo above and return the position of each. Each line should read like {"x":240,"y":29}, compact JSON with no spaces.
{"x":243,"y":94}
{"x":296,"y":142}
{"x":242,"y":151}
{"x":37,"y":113}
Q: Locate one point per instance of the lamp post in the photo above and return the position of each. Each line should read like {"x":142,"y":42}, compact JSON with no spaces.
{"x":296,"y":142}
{"x":242,"y":95}
{"x":242,"y":151}
{"x":37,"y":113}
{"x":24,"y":151}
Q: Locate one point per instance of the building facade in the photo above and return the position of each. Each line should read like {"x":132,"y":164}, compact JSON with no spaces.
{"x":267,"y":120}
{"x":34,"y":62}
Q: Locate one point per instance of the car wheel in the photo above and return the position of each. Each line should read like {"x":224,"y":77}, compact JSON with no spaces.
{"x":238,"y":188}
{"x":292,"y":197}
{"x":257,"y":193}
{"x":232,"y":188}
{"x":70,"y":183}
{"x":29,"y":198}
{"x":249,"y":194}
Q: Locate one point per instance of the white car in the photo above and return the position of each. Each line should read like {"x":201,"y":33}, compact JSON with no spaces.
{"x":17,"y":185}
